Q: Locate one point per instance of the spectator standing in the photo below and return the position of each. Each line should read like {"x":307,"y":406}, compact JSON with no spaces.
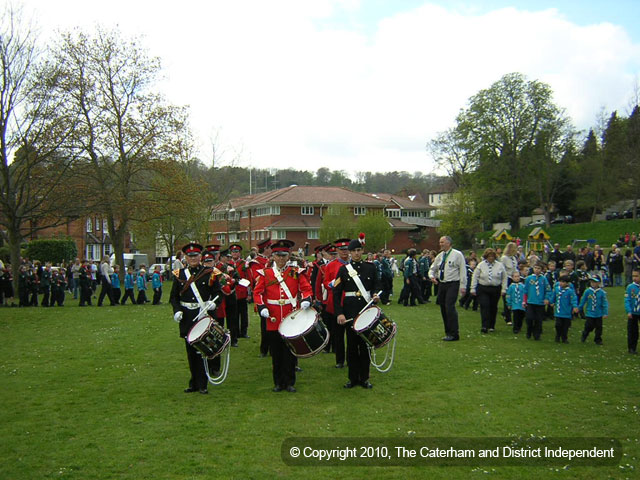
{"x":628,"y":266}
{"x":615,"y":265}
{"x":448,"y":271}
{"x":105,"y":279}
{"x":489,"y":282}
{"x":557,"y":256}
{"x":75,"y":277}
{"x":569,"y":254}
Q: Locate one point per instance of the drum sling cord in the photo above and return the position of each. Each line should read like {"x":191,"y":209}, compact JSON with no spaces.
{"x":380,"y":367}
{"x":225,"y":368}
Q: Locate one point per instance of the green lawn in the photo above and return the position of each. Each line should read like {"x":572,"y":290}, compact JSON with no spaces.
{"x":96,"y":393}
{"x":604,"y":233}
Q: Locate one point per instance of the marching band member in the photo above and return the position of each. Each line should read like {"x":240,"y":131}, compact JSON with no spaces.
{"x":242,"y":291}
{"x":356,"y":284}
{"x":192,"y":286}
{"x":275,"y":295}
{"x":261,"y":262}
{"x":336,"y":331}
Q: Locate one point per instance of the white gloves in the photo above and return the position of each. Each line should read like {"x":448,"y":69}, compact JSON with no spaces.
{"x":304,"y":305}
{"x":177,"y":317}
{"x":264,"y":313}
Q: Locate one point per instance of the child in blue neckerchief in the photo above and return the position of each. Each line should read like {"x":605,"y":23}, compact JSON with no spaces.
{"x":565,"y":302}
{"x":515,"y":301}
{"x":595,"y":306}
{"x":632,"y":307}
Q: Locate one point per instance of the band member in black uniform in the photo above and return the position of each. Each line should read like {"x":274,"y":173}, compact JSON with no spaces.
{"x":233,"y":319}
{"x":186,"y":307}
{"x":348,"y":299}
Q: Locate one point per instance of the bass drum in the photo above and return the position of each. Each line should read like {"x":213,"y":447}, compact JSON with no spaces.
{"x":208,"y":337}
{"x":304,"y":333}
{"x":374,"y":327}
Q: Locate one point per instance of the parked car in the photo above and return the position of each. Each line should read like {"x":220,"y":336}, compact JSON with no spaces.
{"x":627,"y":213}
{"x":562,"y":219}
{"x":613,"y":216}
{"x":536,"y":223}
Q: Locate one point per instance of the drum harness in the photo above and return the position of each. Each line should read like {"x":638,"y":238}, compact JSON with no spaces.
{"x":204,"y":309}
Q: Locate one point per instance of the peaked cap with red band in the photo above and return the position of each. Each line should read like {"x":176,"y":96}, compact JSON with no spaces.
{"x":264,"y":244}
{"x":342,"y":243}
{"x":212,"y":248}
{"x":235,"y":247}
{"x":282,"y":246}
{"x":192,"y":248}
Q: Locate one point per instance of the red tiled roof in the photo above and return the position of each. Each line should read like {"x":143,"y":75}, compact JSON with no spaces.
{"x":291,"y":222}
{"x":413,"y":202}
{"x":398,"y":224}
{"x":306,"y":195}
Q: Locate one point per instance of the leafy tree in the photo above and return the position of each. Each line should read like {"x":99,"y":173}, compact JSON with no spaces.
{"x":593,"y":193}
{"x":632,"y":164}
{"x":377,"y":230}
{"x":460,"y":219}
{"x":125,"y":132}
{"x":338,"y":222}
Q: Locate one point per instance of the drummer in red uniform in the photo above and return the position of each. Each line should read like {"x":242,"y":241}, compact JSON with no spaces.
{"x":242,"y":288}
{"x":261,"y":262}
{"x":336,"y":331}
{"x":275,"y":295}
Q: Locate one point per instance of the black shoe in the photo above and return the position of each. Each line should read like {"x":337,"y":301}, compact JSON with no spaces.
{"x":536,"y":338}
{"x":204,"y":391}
{"x":583,"y":338}
{"x":483,"y":330}
{"x":564,"y":340}
{"x":277,"y":388}
{"x":632,"y":351}
{"x":262,"y":355}
{"x":451,"y":339}
{"x":189,"y":390}
{"x":298,"y":369}
{"x":447,"y":338}
{"x":599,"y":343}
{"x":339,"y":365}
{"x":291,"y":389}
{"x":528,"y":335}
{"x":216,"y":373}
{"x":235,"y":344}
{"x":349,"y":384}
{"x":366,"y":384}
{"x":245,"y":336}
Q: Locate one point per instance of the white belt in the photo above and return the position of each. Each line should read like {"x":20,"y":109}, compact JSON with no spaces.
{"x":282,"y":301}
{"x":355,"y":294}
{"x":190,"y":306}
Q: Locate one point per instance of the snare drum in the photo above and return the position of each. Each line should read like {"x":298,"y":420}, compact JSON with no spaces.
{"x":304,"y":333}
{"x":208,"y":337}
{"x":374,"y":327}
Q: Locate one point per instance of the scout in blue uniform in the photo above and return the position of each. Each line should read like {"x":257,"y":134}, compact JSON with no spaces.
{"x":632,"y":307}
{"x":595,"y":300}
{"x":515,"y":301}
{"x":115,"y":285}
{"x":156,"y":284}
{"x":141,"y":283}
{"x":565,"y":302}
{"x":128,"y":287}
{"x":537,"y":291}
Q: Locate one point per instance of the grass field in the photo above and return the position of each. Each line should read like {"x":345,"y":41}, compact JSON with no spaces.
{"x":96,"y":393}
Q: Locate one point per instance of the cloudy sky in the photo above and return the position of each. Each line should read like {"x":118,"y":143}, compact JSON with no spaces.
{"x":362,"y":85}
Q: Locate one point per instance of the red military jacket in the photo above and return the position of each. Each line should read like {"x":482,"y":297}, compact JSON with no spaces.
{"x":244,"y":274}
{"x":259,"y":263}
{"x":330,"y":274}
{"x":270,"y":294}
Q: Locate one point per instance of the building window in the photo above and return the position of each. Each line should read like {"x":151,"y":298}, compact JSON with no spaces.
{"x":393,"y":213}
{"x":221,"y":238}
{"x":279,"y":235}
{"x":93,"y":251}
{"x":105,"y":226}
{"x":313,"y":234}
{"x":108,"y":248}
{"x":89,"y":225}
{"x":359,"y":210}
{"x":97,"y":224}
{"x":233,"y":237}
{"x":306,"y":210}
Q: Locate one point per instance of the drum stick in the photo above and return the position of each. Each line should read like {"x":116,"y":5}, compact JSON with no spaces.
{"x":366,"y":306}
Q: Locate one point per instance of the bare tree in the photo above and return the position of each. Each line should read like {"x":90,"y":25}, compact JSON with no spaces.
{"x":33,"y":133}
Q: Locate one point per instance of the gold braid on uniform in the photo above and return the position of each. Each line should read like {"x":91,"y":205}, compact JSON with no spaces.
{"x":206,"y":271}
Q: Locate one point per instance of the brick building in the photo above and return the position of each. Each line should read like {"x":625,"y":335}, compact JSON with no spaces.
{"x":296,"y":213}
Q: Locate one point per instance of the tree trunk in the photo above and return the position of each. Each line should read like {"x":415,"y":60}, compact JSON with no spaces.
{"x":15,"y":239}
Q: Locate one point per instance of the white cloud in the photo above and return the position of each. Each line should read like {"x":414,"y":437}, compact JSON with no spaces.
{"x":301,"y":95}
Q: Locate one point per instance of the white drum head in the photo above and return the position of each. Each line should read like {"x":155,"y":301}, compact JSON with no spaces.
{"x":298,"y":322}
{"x":198,"y":329}
{"x":366,"y":318}
{"x":244,"y":282}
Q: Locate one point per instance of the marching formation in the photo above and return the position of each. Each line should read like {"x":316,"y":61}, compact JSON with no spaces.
{"x":304,"y":309}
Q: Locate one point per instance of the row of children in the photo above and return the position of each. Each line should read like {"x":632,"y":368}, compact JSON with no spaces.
{"x":131,"y":279}
{"x":527,"y":300}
